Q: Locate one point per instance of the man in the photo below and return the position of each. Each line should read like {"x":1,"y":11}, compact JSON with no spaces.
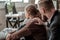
{"x":46,"y":8}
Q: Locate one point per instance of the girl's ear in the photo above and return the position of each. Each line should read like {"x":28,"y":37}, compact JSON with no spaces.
{"x":44,"y":11}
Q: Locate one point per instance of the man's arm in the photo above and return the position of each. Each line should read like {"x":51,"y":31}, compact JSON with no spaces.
{"x":23,"y":31}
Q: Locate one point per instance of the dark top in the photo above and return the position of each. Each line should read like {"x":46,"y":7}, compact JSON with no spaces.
{"x":21,"y":26}
{"x":35,"y":31}
{"x":54,"y":26}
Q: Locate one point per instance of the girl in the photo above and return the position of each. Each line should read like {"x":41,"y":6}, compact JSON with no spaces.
{"x":33,"y":29}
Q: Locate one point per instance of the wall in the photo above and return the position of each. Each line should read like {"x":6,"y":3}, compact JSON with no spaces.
{"x":2,"y":19}
{"x":2,"y":15}
{"x":21,"y":6}
{"x":59,"y":4}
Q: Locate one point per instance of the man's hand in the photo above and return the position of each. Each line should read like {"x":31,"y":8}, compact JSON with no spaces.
{"x":14,"y":36}
{"x":8,"y":37}
{"x":11,"y":36}
{"x":38,"y":21}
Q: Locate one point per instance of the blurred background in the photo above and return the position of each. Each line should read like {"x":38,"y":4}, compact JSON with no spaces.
{"x":17,"y":7}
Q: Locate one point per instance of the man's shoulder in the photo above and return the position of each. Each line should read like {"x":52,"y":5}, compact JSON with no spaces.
{"x":57,"y":18}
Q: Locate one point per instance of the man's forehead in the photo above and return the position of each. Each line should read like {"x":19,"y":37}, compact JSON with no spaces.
{"x":40,"y":1}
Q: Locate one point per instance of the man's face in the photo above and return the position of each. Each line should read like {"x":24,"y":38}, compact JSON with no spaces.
{"x":41,"y":11}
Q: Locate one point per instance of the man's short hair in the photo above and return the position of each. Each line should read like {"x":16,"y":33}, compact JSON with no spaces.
{"x":47,"y":4}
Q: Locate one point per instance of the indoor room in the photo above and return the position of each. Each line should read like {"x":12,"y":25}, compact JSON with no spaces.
{"x":23,"y":18}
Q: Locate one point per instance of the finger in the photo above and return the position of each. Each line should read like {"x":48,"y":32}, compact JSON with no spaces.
{"x":8,"y":39}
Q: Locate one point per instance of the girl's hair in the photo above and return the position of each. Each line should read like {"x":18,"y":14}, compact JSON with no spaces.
{"x":31,"y":9}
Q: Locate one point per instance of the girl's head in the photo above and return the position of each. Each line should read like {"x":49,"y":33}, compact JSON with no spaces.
{"x":31,"y":11}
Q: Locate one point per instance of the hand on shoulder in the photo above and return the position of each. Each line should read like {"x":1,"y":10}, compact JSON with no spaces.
{"x":38,"y":21}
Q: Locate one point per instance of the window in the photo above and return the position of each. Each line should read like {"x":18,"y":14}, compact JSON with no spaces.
{"x":36,"y":1}
{"x":2,"y":0}
{"x":26,"y":1}
{"x":16,"y":0}
{"x":55,"y":4}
